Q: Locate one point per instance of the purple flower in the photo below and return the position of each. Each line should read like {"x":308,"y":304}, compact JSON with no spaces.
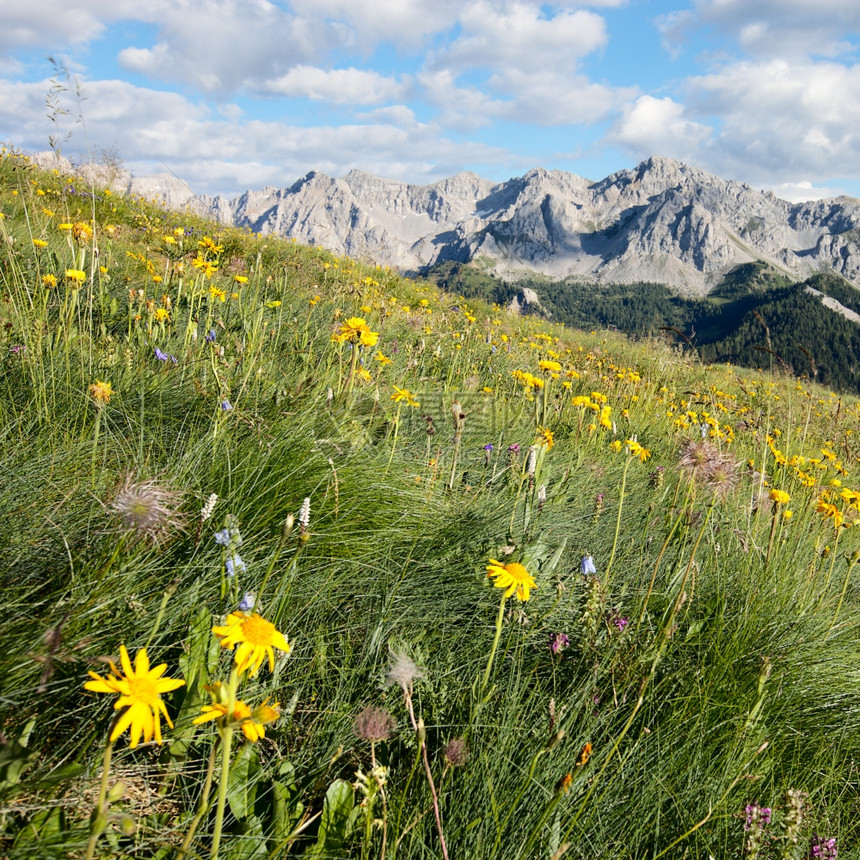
{"x":160,"y":355}
{"x":488,"y":446}
{"x":824,"y":849}
{"x":620,"y":621}
{"x":514,"y":449}
{"x":18,"y":347}
{"x":210,"y":337}
{"x":226,"y":406}
{"x":248,"y":602}
{"x":558,"y":642}
{"x":587,"y":565}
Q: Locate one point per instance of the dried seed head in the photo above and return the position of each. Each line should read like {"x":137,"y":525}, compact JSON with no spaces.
{"x":374,"y":724}
{"x":456,"y":752}
{"x":403,"y":672}
{"x":147,"y":508}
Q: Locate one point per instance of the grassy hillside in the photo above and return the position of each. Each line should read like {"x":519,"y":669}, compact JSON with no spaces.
{"x":392,"y":574}
{"x":755,"y":317}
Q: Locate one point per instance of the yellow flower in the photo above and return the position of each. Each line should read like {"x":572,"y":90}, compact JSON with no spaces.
{"x":251,"y":722}
{"x":513,"y":577}
{"x":240,"y":279}
{"x":76,"y":275}
{"x":207,"y":266}
{"x":404,"y":395}
{"x":615,"y":446}
{"x":780,"y":497}
{"x":829,"y":511}
{"x":101,"y":392}
{"x":40,"y":243}
{"x":636,"y":450}
{"x":550,"y":366}
{"x":273,"y":304}
{"x":356,"y":330}
{"x":49,"y":280}
{"x":139,"y":690}
{"x":216,"y":293}
{"x":162,"y":315}
{"x":545,"y":437}
{"x":382,"y":359}
{"x":255,"y":637}
{"x":207,"y":244}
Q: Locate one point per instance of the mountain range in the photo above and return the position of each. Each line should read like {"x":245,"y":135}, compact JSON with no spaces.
{"x":662,"y":222}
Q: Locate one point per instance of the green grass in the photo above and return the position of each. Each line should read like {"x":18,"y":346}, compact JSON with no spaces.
{"x":733,"y":681}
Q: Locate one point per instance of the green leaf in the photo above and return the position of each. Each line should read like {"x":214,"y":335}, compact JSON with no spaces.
{"x":337,"y":819}
{"x":242,"y":781}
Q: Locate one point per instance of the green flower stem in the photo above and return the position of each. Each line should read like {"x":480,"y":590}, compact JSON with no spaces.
{"x":202,"y":805}
{"x":226,"y":749}
{"x":96,"y":443}
{"x":854,"y":559}
{"x":168,"y":593}
{"x":495,"y":647}
{"x":617,"y":521}
{"x":537,"y":829}
{"x":394,"y":439}
{"x":286,"y":531}
{"x":99,"y":820}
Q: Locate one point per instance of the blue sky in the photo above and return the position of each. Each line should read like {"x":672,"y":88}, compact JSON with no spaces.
{"x":237,"y":94}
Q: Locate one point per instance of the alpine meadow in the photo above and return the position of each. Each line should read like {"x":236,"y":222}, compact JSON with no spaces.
{"x":305,"y":558}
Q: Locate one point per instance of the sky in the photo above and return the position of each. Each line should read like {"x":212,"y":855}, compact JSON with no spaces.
{"x":229,"y":95}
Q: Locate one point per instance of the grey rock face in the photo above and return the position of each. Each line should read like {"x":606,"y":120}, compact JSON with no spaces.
{"x":662,"y":221}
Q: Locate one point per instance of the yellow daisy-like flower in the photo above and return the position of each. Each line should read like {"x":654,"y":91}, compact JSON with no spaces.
{"x":549,"y":366}
{"x":40,"y":243}
{"x":780,"y":497}
{"x":256,"y":638}
{"x":139,"y":689}
{"x":252,"y":722}
{"x":404,"y":395}
{"x":829,"y":511}
{"x":76,"y":275}
{"x":216,"y":293}
{"x":49,"y":280}
{"x":513,"y":577}
{"x":162,"y":315}
{"x":545,"y":437}
{"x":101,"y":392}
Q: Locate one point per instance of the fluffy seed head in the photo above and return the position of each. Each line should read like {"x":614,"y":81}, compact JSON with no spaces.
{"x":147,"y":508}
{"x":456,"y":752}
{"x":403,"y":672}
{"x":374,"y":724}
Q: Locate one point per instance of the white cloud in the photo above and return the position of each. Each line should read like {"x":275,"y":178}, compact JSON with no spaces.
{"x":780,"y":119}
{"x":156,"y":131}
{"x":800,"y":192}
{"x":521,"y":37}
{"x":50,"y":24}
{"x":516,"y":62}
{"x":650,"y":126}
{"x":770,"y":28}
{"x":226,"y":45}
{"x":338,"y":86}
